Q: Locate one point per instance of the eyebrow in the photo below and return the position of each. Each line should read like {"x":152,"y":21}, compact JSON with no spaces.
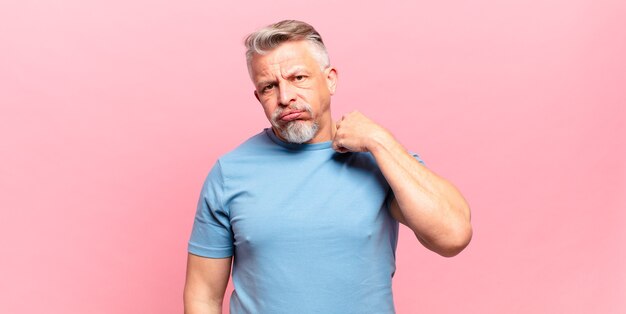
{"x":287,"y":73}
{"x":295,"y":70}
{"x":264,"y":83}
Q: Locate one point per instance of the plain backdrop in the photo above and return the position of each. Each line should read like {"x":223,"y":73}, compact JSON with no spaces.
{"x":112,"y":113}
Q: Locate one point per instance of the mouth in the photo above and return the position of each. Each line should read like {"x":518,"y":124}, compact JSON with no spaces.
{"x":291,"y":115}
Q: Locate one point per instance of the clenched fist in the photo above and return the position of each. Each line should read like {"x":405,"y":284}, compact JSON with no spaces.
{"x":357,"y":133}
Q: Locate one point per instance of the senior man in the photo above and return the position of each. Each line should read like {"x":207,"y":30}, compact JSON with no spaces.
{"x":310,"y":207}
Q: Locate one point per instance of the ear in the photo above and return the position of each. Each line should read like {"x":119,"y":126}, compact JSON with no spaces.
{"x":256,"y":95}
{"x":331,"y":79}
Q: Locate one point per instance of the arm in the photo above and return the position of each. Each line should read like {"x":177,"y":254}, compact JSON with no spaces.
{"x":429,"y":205}
{"x":205,"y":284}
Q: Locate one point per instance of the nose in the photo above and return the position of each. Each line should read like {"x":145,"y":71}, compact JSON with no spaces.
{"x":286,"y":94}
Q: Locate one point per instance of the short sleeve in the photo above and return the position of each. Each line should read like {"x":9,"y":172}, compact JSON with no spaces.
{"x":416,"y":156}
{"x":211,"y":235}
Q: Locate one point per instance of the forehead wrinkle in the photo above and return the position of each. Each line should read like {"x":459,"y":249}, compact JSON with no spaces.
{"x":269,"y":74}
{"x":294,"y":69}
{"x":265,"y":75}
{"x":284,"y":63}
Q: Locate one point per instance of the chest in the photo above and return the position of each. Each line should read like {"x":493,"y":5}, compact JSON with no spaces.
{"x":312,"y":206}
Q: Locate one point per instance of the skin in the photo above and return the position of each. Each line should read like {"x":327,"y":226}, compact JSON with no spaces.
{"x":205,"y":284}
{"x":428,"y":204}
{"x":289,"y":75}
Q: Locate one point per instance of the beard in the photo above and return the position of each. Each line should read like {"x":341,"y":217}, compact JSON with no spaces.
{"x":296,"y":131}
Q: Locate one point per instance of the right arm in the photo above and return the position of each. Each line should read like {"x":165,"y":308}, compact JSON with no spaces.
{"x":205,"y":284}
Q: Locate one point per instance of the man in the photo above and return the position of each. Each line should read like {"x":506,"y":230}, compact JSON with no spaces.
{"x":309,"y":208}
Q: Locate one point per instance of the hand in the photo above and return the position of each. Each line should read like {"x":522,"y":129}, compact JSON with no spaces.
{"x":357,"y":133}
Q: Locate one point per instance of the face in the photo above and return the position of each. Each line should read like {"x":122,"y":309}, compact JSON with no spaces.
{"x":295,"y":92}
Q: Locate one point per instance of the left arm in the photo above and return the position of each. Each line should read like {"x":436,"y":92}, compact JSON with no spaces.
{"x":423,"y":201}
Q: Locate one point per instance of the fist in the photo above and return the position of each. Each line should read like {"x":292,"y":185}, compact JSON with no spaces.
{"x":357,"y":133}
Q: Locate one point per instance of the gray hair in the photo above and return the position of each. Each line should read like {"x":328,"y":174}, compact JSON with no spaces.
{"x":266,"y":39}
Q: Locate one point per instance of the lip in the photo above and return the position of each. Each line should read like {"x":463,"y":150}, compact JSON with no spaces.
{"x":291,"y":115}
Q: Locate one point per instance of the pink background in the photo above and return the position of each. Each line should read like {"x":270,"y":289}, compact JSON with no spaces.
{"x":112,"y":113}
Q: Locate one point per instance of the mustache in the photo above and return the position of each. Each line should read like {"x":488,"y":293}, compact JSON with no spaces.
{"x":279,"y":110}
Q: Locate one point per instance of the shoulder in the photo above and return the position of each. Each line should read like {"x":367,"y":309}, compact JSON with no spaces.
{"x":246,"y":154}
{"x":253,"y":145}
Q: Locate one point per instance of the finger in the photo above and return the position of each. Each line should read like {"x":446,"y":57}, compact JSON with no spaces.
{"x":337,"y":147}
{"x":342,"y":150}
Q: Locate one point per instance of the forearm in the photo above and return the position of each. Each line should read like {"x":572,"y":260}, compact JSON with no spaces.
{"x":205,"y":284}
{"x":199,"y":300}
{"x":432,"y":207}
{"x":194,"y":306}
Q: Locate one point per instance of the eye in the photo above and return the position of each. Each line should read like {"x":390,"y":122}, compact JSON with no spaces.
{"x":299,"y":78}
{"x":267,"y":88}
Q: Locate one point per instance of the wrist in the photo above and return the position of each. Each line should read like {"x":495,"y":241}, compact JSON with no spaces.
{"x":379,"y":140}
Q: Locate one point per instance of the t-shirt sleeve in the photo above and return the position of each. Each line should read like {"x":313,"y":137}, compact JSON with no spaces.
{"x":416,"y":156}
{"x":211,"y":235}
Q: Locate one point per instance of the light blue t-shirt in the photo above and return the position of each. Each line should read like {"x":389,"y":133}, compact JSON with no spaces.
{"x":309,"y":228}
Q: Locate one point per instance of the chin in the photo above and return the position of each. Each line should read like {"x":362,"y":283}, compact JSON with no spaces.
{"x":299,"y":131}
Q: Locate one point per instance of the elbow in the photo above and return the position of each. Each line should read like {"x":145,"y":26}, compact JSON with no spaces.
{"x":459,"y":234}
{"x":450,"y":236}
{"x":456,"y":242}
{"x":450,"y":245}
